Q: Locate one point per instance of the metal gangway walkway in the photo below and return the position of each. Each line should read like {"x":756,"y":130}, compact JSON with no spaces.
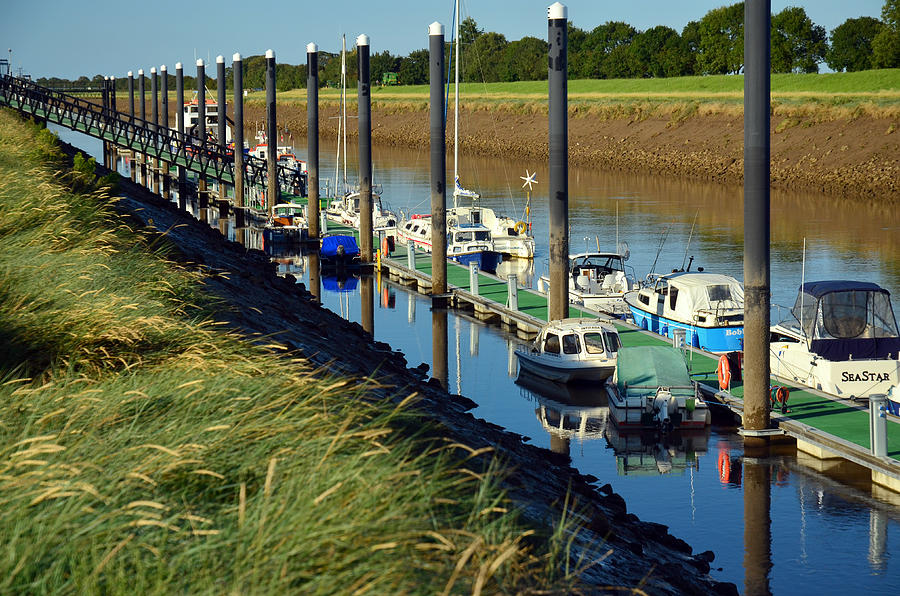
{"x":202,"y":156}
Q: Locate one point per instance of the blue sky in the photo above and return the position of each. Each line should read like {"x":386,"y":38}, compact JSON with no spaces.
{"x":69,"y":38}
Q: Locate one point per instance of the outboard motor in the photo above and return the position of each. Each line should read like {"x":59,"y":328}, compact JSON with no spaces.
{"x":661,"y":411}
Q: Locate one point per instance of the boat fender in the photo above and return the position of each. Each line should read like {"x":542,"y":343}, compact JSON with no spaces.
{"x":723,"y":372}
{"x":520,"y":227}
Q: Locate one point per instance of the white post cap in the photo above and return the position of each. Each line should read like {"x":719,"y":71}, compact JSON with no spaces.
{"x":112,"y":78}
{"x":311,"y":48}
{"x":199,"y":61}
{"x":362,"y":40}
{"x":556,"y":11}
{"x":152,"y":70}
{"x":105,"y":78}
{"x":220,"y":59}
{"x":130,"y":73}
{"x":236,"y":57}
{"x":140,"y":72}
{"x":178,"y":66}
{"x":270,"y":54}
{"x":435,"y":29}
{"x":162,"y":68}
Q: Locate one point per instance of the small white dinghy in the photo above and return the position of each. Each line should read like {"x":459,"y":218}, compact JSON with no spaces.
{"x":569,"y":350}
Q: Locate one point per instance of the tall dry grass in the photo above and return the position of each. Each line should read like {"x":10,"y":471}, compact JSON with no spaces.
{"x":145,"y":450}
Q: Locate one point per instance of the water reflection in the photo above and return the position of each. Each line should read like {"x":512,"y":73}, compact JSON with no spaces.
{"x":795,"y":509}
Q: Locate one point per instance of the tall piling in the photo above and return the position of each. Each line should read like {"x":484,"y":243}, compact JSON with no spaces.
{"x":557,"y":72}
{"x":312,"y":138}
{"x":143,"y":103}
{"x":104,"y":106}
{"x":202,"y":196}
{"x":164,"y":120}
{"x":238,"y":68}
{"x":222,"y":114}
{"x":365,"y":150}
{"x":154,"y":117}
{"x":131,"y":116}
{"x":438,"y":161}
{"x":272,"y":190}
{"x":114,"y":112}
{"x":757,"y":86}
{"x":179,"y":125}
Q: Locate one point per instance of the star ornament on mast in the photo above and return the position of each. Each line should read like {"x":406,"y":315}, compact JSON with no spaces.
{"x":529,"y":182}
{"x":529,"y":179}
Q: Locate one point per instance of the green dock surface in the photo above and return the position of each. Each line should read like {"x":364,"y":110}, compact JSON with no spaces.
{"x":832,"y":416}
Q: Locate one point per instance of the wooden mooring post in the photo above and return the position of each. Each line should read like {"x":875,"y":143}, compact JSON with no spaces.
{"x":557,"y":73}
{"x":365,"y":150}
{"x":438,"y":164}
{"x":312,"y":139}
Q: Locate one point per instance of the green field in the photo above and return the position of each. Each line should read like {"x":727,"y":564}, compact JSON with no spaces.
{"x":147,"y":449}
{"x":876,"y":87}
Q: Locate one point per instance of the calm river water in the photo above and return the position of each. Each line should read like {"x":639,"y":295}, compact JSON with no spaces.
{"x":786,"y":524}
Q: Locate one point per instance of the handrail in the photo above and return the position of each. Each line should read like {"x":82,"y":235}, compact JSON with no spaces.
{"x":194,"y":154}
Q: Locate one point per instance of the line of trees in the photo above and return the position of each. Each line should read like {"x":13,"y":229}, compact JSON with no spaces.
{"x":712,"y":45}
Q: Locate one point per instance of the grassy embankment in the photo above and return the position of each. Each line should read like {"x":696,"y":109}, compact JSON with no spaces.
{"x":834,"y":95}
{"x":147,"y":450}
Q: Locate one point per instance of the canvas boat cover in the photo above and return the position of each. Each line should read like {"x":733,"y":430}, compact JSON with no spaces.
{"x":645,"y":368}
{"x":704,"y":291}
{"x":330,"y":246}
{"x":844,"y":319}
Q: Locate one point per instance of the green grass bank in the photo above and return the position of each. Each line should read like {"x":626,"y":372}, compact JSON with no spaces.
{"x":146,"y":449}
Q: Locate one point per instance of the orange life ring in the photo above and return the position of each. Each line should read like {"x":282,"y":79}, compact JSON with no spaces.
{"x":723,"y":371}
{"x":384,"y":248}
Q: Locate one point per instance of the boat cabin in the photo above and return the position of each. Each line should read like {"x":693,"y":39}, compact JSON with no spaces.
{"x":192,"y":118}
{"x":702,"y":299}
{"x":844,"y":320}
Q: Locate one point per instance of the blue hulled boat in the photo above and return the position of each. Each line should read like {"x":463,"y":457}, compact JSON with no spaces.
{"x":708,"y":306}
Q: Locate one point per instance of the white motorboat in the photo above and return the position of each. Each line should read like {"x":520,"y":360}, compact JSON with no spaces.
{"x":843,"y":340}
{"x":568,"y":350}
{"x":652,"y":390}
{"x":598,"y":281}
{"x":467,"y":243}
{"x":511,"y":238}
{"x":708,"y":306}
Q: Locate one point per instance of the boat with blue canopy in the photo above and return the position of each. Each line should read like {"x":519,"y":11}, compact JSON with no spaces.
{"x":843,"y":340}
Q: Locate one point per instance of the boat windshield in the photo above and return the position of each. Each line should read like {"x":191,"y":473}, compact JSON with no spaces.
{"x":718,"y":292}
{"x":593,"y":342}
{"x":612,"y":341}
{"x":570,"y":344}
{"x":856,"y":313}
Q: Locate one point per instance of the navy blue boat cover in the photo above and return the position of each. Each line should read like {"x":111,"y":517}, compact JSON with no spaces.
{"x":330,"y":246}
{"x":847,"y":319}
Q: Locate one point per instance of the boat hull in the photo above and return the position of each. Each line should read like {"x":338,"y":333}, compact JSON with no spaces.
{"x":644,"y":412}
{"x":849,"y":378}
{"x":564,"y":372}
{"x":712,"y":339}
{"x":486,"y":260}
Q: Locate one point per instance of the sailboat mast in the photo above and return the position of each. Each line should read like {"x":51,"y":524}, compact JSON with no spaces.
{"x":344,"y":98}
{"x":456,"y":108}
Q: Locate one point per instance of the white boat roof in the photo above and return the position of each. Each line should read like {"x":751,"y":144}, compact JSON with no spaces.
{"x":698,"y":279}
{"x":601,"y":255}
{"x":576,"y":324}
